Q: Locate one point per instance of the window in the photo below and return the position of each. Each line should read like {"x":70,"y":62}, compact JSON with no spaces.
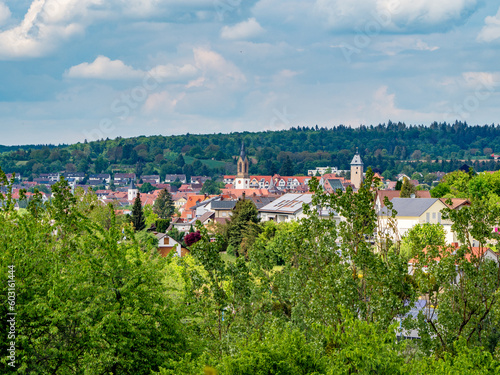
{"x":433,"y":216}
{"x":427,"y":217}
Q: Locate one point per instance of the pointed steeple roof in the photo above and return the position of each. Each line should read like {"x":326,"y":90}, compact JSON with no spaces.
{"x":132,"y":185}
{"x":356,"y":160}
{"x":272,"y":186}
{"x":243,"y":154}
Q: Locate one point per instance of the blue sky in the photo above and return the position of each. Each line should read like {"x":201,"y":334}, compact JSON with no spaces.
{"x":88,"y":69}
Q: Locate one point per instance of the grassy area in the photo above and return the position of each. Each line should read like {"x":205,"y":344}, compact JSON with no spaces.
{"x":23,"y":162}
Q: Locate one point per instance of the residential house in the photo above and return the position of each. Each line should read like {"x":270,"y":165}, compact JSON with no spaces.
{"x":100,"y":178}
{"x":391,"y":194}
{"x":53,"y":177}
{"x":123,"y":178}
{"x":152,"y":179}
{"x":175,"y":177}
{"x":76,"y":177}
{"x":167,"y":244}
{"x":199,"y":180}
{"x":413,"y":211}
{"x":288,"y":207}
{"x":223,"y":208}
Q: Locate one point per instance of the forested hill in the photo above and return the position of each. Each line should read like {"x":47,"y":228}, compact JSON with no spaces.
{"x":390,"y":147}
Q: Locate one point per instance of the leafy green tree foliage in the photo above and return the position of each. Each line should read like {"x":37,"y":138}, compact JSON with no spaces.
{"x":212,"y":187}
{"x":219,"y":294}
{"x":162,"y":225}
{"x":420,"y":237}
{"x":138,"y":218}
{"x":330,"y":264}
{"x":407,"y":189}
{"x":147,"y":188}
{"x":441,"y":190}
{"x":87,"y":297}
{"x":459,"y":280}
{"x":101,"y":164}
{"x":286,"y":167}
{"x":244,"y":213}
{"x":164,"y":205}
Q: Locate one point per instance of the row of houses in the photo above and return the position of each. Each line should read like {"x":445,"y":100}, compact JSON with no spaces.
{"x":118,"y":179}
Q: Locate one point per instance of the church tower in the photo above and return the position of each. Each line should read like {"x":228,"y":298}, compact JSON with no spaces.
{"x":357,"y":170}
{"x":242,"y":180}
{"x":132,"y":191}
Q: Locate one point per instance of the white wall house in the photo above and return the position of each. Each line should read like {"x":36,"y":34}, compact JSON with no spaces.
{"x":413,"y":211}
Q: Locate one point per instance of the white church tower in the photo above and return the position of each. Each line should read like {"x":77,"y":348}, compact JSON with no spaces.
{"x":242,"y":180}
{"x":132,"y":191}
{"x":357,"y":170}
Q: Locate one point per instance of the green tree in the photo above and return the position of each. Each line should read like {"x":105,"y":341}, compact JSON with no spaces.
{"x":101,"y":164}
{"x":138,"y":218}
{"x":164,"y":205}
{"x":85,"y":287}
{"x":420,"y":237}
{"x":146,"y":188}
{"x":407,"y":189}
{"x":244,"y":213}
{"x":179,"y":161}
{"x":287,"y":167}
{"x":212,"y":187}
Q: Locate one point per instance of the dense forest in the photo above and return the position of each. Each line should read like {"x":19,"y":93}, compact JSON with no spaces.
{"x":91,"y":294}
{"x":387,"y":148}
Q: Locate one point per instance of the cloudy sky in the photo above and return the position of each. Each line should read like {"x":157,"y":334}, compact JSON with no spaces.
{"x":88,"y":69}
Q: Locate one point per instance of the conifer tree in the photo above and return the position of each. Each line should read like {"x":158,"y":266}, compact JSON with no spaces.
{"x":407,"y":189}
{"x":138,"y":218}
{"x":164,"y":205}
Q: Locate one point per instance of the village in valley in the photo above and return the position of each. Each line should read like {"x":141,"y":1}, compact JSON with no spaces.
{"x":276,"y":198}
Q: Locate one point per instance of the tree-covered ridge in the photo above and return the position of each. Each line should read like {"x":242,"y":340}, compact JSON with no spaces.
{"x":393,"y":147}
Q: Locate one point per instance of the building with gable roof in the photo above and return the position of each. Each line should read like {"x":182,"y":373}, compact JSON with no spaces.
{"x":413,"y":211}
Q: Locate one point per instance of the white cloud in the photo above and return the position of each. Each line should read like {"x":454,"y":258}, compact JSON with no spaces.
{"x":243,"y":30}
{"x":394,"y":15}
{"x":216,"y":69}
{"x":173,"y":73}
{"x":481,"y":80}
{"x":32,"y":38}
{"x":4,"y":13}
{"x":49,"y":23}
{"x":491,"y":29}
{"x":104,"y":68}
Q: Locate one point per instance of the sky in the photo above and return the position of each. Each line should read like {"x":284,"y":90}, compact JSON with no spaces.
{"x":72,"y":70}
